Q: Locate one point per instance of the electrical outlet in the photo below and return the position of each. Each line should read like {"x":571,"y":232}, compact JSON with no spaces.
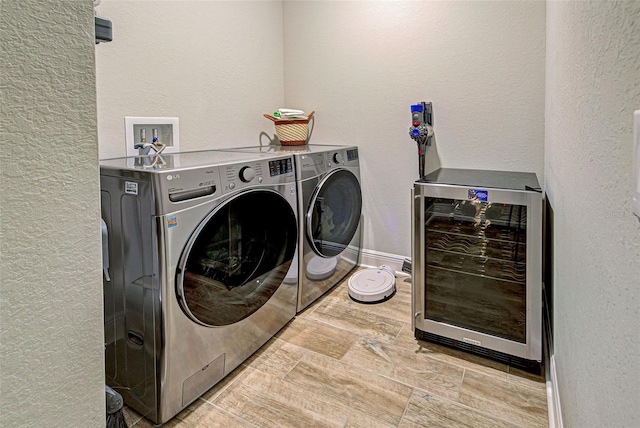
{"x":168,"y":133}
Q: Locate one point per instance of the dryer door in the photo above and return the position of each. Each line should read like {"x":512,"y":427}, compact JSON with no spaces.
{"x":334,"y":212}
{"x":237,"y":258}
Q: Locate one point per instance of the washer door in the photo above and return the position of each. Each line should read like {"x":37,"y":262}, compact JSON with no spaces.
{"x":237,"y":258}
{"x":334,"y":212}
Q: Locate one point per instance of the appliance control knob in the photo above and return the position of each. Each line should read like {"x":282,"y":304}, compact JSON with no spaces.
{"x":337,"y":158}
{"x":247,"y":174}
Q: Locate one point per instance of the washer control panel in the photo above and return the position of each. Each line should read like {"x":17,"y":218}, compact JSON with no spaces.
{"x":247,"y":174}
{"x":280,"y":166}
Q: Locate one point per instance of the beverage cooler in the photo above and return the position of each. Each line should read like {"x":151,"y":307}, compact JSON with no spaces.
{"x":477,"y":263}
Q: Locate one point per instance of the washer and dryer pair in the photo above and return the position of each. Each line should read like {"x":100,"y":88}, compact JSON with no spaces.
{"x":329,"y":213}
{"x":208,"y":254}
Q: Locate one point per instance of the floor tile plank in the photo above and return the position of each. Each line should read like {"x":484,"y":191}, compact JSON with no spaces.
{"x":398,"y":307}
{"x":350,"y":318}
{"x":414,"y":369}
{"x":406,"y":339}
{"x":511,"y":401}
{"x":379,"y":397}
{"x":276,"y":358}
{"x":267,"y":401}
{"x":427,"y":410}
{"x":360,"y":420}
{"x":317,"y":336}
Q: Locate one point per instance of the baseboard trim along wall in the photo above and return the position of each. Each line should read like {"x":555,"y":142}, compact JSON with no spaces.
{"x":553,"y":397}
{"x":374,"y":259}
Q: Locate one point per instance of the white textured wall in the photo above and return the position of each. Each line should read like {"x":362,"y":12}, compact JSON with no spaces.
{"x":593,"y":87}
{"x":51,"y":334}
{"x":216,"y":65}
{"x":361,"y":64}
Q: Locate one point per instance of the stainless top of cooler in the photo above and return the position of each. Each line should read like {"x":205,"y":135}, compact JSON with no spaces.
{"x":508,"y":180}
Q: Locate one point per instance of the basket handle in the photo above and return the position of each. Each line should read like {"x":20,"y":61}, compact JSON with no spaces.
{"x":310,"y":114}
{"x":268,"y":116}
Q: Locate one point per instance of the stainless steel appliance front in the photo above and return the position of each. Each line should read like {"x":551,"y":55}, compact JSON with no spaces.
{"x":329,"y":210}
{"x":477,"y":251}
{"x":199,"y":246}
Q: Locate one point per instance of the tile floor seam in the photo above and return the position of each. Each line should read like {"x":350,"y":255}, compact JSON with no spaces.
{"x":345,"y":329}
{"x":460,"y":366}
{"x":137,"y":420}
{"x":398,"y":334}
{"x":227,"y":385}
{"x":500,"y":417}
{"x":405,"y":383}
{"x":292,"y":368}
{"x":464,"y":371}
{"x":330,"y":325}
{"x":406,"y":407}
{"x":338,"y":302}
{"x":233,"y":415}
{"x":463,"y":368}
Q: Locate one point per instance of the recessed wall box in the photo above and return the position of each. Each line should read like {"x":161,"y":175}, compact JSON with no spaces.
{"x":167,"y":129}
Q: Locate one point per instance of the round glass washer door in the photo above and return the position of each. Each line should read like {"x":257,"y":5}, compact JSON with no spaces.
{"x":237,"y":258}
{"x":334,"y":212}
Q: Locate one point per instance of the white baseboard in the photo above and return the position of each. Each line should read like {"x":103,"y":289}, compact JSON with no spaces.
{"x":374,"y":259}
{"x":553,"y":397}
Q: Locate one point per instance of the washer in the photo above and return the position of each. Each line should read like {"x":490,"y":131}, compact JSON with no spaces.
{"x":329,"y":211}
{"x":199,"y":245}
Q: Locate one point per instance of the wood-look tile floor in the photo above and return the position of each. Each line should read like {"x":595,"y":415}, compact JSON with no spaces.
{"x":345,"y":364}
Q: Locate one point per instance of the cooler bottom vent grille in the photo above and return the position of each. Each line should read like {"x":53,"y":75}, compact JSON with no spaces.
{"x":521,"y":363}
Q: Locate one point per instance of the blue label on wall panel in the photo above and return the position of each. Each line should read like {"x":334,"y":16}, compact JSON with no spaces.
{"x":172,"y":221}
{"x":478,"y":195}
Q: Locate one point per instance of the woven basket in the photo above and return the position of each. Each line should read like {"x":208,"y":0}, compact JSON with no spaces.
{"x":292,"y":132}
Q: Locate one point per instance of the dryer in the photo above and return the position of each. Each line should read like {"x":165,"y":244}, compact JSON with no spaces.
{"x":329,"y":212}
{"x":199,"y":245}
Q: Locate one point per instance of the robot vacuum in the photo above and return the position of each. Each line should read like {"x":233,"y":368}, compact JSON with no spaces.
{"x":372,"y":285}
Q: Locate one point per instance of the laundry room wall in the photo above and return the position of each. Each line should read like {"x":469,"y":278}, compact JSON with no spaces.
{"x":216,"y":65}
{"x":361,"y":64}
{"x":220,"y":65}
{"x":51,"y":323}
{"x":593,"y":88}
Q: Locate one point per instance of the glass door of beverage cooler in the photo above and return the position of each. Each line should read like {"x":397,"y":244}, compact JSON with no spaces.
{"x":472,"y":282}
{"x":476,"y":266}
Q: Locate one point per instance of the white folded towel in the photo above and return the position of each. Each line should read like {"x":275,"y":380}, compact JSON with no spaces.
{"x":289,"y":113}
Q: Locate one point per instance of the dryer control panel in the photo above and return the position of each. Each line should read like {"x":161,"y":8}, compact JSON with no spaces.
{"x":256,"y":173}
{"x":343,"y":157}
{"x":321,"y":159}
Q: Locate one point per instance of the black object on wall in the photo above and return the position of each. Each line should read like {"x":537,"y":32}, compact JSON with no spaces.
{"x":103,"y":30}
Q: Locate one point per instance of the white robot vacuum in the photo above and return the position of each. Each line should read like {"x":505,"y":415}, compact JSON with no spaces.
{"x":372,"y":285}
